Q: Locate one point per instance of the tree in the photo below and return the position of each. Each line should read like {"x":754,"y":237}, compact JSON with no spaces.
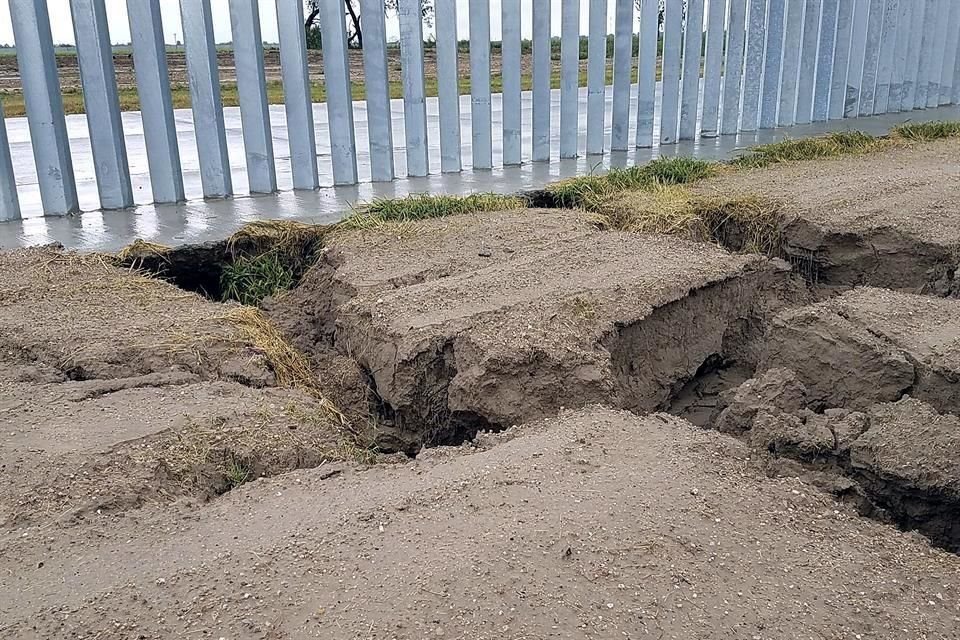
{"x":355,"y":26}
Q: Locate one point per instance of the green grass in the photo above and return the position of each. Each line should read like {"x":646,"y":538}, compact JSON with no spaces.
{"x":923,"y":131}
{"x":250,"y":279}
{"x":588,"y":192}
{"x":831,"y":145}
{"x":424,"y":206}
{"x":14,"y":105}
{"x":237,"y":473}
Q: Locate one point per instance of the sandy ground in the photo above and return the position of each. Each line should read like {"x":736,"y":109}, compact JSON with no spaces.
{"x":164,"y":475}
{"x":596,"y":525}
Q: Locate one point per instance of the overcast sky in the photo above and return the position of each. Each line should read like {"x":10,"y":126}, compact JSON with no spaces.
{"x":120,"y":31}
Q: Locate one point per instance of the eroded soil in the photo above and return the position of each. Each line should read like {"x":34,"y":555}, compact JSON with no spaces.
{"x":889,"y":219}
{"x":173,"y":468}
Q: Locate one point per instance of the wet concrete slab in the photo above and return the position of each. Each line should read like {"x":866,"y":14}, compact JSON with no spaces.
{"x":198,"y":220}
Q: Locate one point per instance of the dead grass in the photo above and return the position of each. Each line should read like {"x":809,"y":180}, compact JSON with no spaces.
{"x":139,"y":249}
{"x":743,"y":222}
{"x":424,"y":206}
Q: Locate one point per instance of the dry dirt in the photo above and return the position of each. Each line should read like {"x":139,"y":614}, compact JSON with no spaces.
{"x":117,"y":389}
{"x":597,"y":524}
{"x":165,"y":475}
{"x":463,"y":327}
{"x":889,"y":219}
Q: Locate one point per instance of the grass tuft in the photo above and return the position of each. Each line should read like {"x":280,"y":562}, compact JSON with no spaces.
{"x":743,"y":223}
{"x":424,"y":206}
{"x":924,"y":131}
{"x":831,"y":145}
{"x":251,"y":279}
{"x":589,"y":192}
{"x":268,"y":257}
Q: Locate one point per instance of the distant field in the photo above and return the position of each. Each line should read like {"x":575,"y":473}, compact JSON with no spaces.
{"x":13,"y":103}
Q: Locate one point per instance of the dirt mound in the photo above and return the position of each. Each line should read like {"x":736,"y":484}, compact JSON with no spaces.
{"x":118,"y":390}
{"x":91,"y":320}
{"x":487,"y":321}
{"x":871,"y":345}
{"x":598,"y":524}
{"x":887,"y":219}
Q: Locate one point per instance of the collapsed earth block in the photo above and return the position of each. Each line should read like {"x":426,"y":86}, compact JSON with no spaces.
{"x":483,"y":321}
{"x":871,"y":345}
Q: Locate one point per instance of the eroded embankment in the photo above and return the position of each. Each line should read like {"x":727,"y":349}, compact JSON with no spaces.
{"x":484,"y":321}
{"x":862,"y":391}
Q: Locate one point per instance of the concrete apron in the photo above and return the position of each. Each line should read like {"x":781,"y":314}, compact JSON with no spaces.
{"x":199,"y":220}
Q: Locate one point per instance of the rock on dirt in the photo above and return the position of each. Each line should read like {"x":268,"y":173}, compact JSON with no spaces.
{"x":489,"y":320}
{"x":597,"y":524}
{"x":869,"y":346}
{"x":776,"y":389}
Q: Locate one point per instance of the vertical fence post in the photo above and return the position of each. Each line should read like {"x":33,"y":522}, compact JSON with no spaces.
{"x":828,"y":37}
{"x":939,"y":51}
{"x":670,"y":93}
{"x":510,"y":68}
{"x":622,"y":69}
{"x":926,"y":53}
{"x":205,"y":98}
{"x":647,"y":72}
{"x":336,"y":73}
{"x":377,"y":85}
{"x":713,"y":62}
{"x":480,"y":84}
{"x":955,"y":96}
{"x":858,"y":46}
{"x":448,"y":83}
{"x":908,"y":92}
{"x":841,"y":59}
{"x":156,"y":103}
{"x":950,"y":62}
{"x":888,"y":39}
{"x":692,"y":44}
{"x":733,"y":66}
{"x":753,"y":67}
{"x":772,"y":65}
{"x":871,"y":58}
{"x":596,"y":76}
{"x":791,"y":63}
{"x":102,"y":103}
{"x":900,"y":56}
{"x":9,"y":201}
{"x":252,"y":89}
{"x":41,"y":92}
{"x":808,"y":62}
{"x":541,"y":81}
{"x":569,"y":77}
{"x":297,"y":99}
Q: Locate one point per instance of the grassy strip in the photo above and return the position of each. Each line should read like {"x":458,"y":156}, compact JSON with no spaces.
{"x":14,"y":105}
{"x":831,"y":145}
{"x":588,"y":192}
{"x":423,"y":206}
{"x":925,"y":131}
